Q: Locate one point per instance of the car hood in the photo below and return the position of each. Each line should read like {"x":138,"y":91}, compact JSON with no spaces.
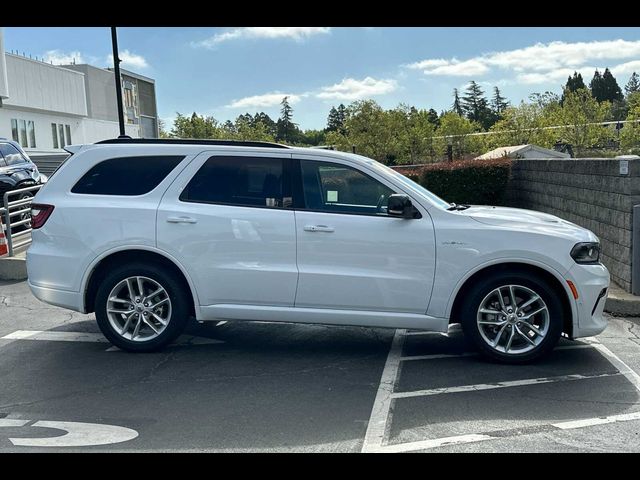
{"x":529,"y":219}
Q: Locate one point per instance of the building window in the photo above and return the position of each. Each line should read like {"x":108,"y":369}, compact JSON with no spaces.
{"x":31,"y":133}
{"x":14,"y":130}
{"x":61,"y":132}
{"x":54,"y":134}
{"x":23,"y":132}
{"x":58,"y":131}
{"x":130,"y":104}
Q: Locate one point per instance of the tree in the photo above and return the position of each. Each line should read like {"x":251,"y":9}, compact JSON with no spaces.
{"x":579,"y":117}
{"x":521,"y":125}
{"x":574,"y":83}
{"x":545,"y":100}
{"x":633,"y":85}
{"x":195,"y":126}
{"x":162,"y":130}
{"x":342,"y":116}
{"x":286,"y":128}
{"x":475,"y":105}
{"x":630,"y":135}
{"x":333,"y":123}
{"x":457,"y":107}
{"x":432,"y":117}
{"x":498,"y":103}
{"x":597,"y":87}
{"x":455,"y":128}
{"x":605,"y":88}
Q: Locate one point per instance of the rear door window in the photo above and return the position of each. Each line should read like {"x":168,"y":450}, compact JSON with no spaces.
{"x":241,"y":181}
{"x":126,"y":175}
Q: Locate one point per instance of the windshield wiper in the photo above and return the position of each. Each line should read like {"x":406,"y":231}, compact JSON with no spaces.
{"x":458,"y":207}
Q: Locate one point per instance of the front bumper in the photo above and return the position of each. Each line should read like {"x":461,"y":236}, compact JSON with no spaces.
{"x":590,"y":282}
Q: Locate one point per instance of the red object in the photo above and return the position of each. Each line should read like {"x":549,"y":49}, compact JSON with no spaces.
{"x":40,"y":213}
{"x":3,"y":241}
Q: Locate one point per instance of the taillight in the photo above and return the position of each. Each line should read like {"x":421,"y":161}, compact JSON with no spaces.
{"x":40,"y":214}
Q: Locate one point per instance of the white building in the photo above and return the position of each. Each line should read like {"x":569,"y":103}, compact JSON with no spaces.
{"x":45,"y":107}
{"x":522,"y":151}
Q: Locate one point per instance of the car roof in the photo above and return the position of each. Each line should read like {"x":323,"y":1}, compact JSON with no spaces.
{"x":233,"y":145}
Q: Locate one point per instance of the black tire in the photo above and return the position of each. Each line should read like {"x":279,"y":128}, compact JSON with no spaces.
{"x":176,"y":292}
{"x":483,"y":287}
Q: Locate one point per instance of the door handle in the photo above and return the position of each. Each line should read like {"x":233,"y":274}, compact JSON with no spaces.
{"x":181,"y":220}
{"x":318,"y":228}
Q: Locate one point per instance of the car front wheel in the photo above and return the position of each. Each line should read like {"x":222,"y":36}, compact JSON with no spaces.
{"x":513,"y":318}
{"x":141,"y":308}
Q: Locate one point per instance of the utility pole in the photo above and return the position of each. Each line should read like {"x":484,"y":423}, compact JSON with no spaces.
{"x":116,"y":69}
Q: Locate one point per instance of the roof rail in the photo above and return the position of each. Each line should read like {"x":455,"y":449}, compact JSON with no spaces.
{"x":190,"y":141}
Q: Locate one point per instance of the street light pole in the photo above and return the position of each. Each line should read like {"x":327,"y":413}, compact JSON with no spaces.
{"x":116,"y":69}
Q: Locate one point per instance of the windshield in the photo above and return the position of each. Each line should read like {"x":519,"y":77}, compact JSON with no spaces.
{"x":413,"y":185}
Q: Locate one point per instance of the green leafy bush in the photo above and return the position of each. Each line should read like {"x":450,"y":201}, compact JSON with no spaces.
{"x":474,"y":182}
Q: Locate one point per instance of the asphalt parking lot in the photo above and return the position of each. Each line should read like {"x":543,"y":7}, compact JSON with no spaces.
{"x":282,"y":387}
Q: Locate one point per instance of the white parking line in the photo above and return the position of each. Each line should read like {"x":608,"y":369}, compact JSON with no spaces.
{"x":473,"y":438}
{"x":438,"y":356}
{"x":491,"y":386}
{"x":55,"y":336}
{"x":624,"y":369}
{"x":380,"y":417}
{"x":380,"y":420}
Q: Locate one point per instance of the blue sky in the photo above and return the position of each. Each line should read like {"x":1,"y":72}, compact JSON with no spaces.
{"x":227,"y":71}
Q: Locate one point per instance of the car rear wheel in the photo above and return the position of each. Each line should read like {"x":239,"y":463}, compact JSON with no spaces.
{"x":513,"y":317}
{"x":141,"y":308}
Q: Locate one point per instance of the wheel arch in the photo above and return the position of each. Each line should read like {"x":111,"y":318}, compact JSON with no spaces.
{"x":548,"y":274}
{"x":110,"y":259}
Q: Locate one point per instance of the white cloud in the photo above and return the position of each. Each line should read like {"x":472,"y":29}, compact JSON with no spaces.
{"x":264,"y":101}
{"x":352,"y":89}
{"x":129,"y":60}
{"x":457,"y":68}
{"x":430,"y":63}
{"x":555,"y":55}
{"x":294,"y":33}
{"x":58,"y":57}
{"x":540,"y":62}
{"x":626,"y":68}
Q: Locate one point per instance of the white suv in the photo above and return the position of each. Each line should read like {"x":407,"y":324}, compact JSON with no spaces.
{"x":146,"y":233}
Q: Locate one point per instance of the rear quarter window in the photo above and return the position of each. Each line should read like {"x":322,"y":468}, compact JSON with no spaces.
{"x":126,"y":175}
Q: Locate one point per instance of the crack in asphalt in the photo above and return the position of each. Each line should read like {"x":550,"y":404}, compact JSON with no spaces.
{"x":167,"y":357}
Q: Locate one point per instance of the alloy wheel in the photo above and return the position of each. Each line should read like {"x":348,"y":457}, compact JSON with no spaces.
{"x":513,"y":319}
{"x":138,"y":309}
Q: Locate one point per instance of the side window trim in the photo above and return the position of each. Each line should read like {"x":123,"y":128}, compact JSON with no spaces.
{"x":287,"y":179}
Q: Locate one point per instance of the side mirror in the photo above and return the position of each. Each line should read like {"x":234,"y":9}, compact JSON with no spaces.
{"x":399,"y":205}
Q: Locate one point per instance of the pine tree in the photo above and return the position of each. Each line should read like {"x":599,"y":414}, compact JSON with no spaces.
{"x":475,"y":105}
{"x":574,"y":83}
{"x":333,"y":122}
{"x":457,"y":108}
{"x":612,"y":91}
{"x":597,"y":86}
{"x":432,"y":117}
{"x":342,"y":118}
{"x":633,"y":85}
{"x":286,"y":127}
{"x":498,"y":103}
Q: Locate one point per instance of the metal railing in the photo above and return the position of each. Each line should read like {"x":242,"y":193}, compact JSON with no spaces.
{"x":15,"y":211}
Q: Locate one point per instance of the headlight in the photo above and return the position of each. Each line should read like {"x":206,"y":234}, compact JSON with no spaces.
{"x":586,"y":252}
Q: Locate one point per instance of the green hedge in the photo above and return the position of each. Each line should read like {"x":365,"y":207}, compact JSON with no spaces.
{"x":474,"y":182}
